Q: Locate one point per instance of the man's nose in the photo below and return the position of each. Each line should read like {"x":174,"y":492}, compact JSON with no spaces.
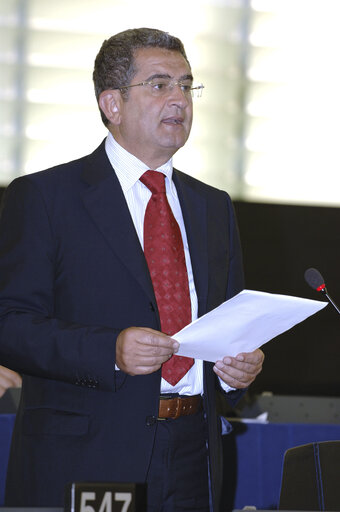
{"x":177,"y":95}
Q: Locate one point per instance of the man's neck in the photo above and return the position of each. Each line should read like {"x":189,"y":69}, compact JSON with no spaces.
{"x":152,"y":161}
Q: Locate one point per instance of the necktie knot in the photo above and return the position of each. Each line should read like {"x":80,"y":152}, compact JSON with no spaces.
{"x":155,"y":181}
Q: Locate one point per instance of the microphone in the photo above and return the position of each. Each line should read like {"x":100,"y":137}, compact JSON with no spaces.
{"x":317,"y":282}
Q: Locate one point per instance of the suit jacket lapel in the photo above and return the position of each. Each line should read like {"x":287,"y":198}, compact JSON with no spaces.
{"x":107,"y":207}
{"x":194,"y":207}
{"x":105,"y":202}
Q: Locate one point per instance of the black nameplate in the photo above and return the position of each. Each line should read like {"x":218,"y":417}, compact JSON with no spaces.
{"x":105,"y":497}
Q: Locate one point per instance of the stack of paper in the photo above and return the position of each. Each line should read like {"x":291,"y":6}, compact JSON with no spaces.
{"x":243,"y":324}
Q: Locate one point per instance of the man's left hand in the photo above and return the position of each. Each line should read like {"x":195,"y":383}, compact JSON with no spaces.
{"x":240,"y":371}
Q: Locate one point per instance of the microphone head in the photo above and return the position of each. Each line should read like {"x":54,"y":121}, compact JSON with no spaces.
{"x":315,"y":279}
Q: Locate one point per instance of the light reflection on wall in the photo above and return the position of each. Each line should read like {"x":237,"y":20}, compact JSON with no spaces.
{"x":292,"y":103}
{"x":265,"y":128}
{"x":59,"y":115}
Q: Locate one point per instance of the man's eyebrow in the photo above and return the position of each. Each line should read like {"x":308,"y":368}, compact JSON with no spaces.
{"x":166,"y":75}
{"x":187,"y":77}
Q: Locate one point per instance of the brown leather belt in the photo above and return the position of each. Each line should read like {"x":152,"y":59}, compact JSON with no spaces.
{"x":179,"y":406}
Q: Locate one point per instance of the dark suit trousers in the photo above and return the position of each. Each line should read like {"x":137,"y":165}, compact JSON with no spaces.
{"x":178,"y":474}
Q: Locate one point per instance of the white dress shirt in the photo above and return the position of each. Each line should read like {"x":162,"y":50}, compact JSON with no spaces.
{"x":129,"y":169}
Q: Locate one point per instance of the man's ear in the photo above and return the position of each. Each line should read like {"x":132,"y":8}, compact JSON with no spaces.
{"x":110,"y":103}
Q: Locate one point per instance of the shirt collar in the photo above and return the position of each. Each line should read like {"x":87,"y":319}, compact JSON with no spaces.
{"x":129,"y":168}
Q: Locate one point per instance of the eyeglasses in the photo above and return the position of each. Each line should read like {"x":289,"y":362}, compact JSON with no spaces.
{"x":163,"y":86}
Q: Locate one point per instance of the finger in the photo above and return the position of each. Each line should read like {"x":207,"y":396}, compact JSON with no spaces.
{"x":232,"y":377}
{"x":143,"y":341}
{"x":256,"y":357}
{"x":242,"y":372}
{"x":157,"y":339}
{"x":244,"y":364}
{"x":149,"y":360}
{"x":145,"y":366}
{"x":237,"y":368}
{"x":142,"y":350}
{"x":236,"y":374}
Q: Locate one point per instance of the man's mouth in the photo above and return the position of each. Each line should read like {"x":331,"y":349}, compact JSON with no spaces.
{"x":173,"y":120}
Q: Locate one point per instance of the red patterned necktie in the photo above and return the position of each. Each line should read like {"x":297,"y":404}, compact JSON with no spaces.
{"x":164,"y":253}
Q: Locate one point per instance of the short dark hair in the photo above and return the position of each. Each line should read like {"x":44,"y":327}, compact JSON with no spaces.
{"x":114,"y":64}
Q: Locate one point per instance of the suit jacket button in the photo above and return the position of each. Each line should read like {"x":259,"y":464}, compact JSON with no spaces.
{"x":150,"y":420}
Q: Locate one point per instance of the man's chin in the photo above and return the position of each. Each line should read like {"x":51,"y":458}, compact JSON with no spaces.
{"x":175,"y":143}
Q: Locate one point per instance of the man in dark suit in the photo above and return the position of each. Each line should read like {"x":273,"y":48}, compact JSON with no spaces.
{"x":80,"y":314}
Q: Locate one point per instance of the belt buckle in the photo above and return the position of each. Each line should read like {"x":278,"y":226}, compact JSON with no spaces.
{"x":175,"y":399}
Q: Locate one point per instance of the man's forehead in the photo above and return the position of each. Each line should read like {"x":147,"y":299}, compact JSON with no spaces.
{"x":160,"y":59}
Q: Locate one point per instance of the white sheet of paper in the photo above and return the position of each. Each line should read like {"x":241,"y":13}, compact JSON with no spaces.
{"x":243,"y":323}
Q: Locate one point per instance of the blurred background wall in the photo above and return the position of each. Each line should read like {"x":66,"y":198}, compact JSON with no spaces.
{"x":265,"y":128}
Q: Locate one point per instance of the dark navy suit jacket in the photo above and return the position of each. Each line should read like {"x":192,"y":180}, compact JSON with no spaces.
{"x":72,"y":276}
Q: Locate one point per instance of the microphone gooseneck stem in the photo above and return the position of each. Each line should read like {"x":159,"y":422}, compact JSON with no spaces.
{"x":324,"y":291}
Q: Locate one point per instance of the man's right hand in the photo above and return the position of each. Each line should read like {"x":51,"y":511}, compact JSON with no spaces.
{"x":140,"y":350}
